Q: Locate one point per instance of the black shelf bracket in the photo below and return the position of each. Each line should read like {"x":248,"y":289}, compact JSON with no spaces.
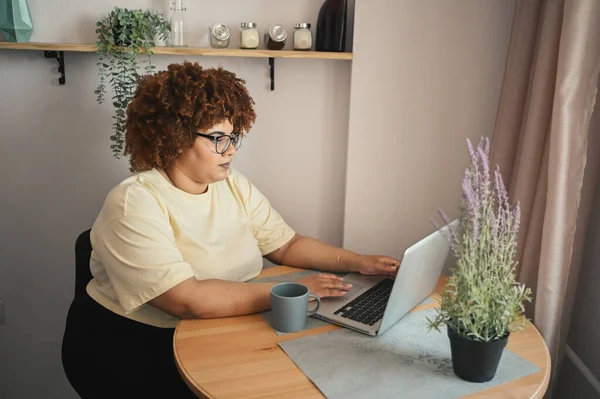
{"x":60,"y":58}
{"x":272,"y":67}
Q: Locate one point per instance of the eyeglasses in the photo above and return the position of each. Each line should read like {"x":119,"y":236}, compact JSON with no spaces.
{"x":223,"y":141}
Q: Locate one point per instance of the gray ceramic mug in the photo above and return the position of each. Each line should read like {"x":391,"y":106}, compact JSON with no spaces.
{"x":289,"y":306}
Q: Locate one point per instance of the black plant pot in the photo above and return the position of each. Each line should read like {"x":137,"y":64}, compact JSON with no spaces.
{"x":475,"y":361}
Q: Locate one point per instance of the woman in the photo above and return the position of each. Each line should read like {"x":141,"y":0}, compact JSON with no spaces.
{"x":179,"y":238}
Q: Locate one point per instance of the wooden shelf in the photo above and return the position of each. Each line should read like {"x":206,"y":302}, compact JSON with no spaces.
{"x":56,"y":50}
{"x":200,"y":51}
{"x":87,"y":48}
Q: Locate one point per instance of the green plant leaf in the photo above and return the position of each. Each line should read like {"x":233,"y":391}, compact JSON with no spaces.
{"x":118,"y":65}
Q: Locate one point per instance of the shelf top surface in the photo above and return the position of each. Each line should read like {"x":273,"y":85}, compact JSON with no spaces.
{"x":201,"y":51}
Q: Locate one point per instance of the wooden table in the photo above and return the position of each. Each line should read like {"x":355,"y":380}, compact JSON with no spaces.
{"x":238,"y":357}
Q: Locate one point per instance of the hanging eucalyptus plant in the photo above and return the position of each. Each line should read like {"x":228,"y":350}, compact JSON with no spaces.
{"x":122,"y":35}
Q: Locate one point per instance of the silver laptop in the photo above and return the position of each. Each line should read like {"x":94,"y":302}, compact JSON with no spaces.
{"x":376,"y":303}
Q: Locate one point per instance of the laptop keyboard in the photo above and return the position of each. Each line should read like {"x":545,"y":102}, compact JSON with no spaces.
{"x":369,"y":306}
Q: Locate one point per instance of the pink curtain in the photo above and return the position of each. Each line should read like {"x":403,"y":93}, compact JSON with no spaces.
{"x":547,"y":150}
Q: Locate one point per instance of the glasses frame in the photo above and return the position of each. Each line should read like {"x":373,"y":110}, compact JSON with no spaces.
{"x":219,"y":135}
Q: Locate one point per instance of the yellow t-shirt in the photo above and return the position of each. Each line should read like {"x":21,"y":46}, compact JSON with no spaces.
{"x":150,"y":236}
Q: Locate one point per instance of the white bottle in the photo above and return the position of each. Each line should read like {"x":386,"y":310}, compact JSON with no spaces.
{"x":178,"y":23}
{"x":249,"y":35}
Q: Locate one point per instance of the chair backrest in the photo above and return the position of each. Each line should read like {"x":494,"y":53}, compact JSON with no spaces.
{"x":83,"y":252}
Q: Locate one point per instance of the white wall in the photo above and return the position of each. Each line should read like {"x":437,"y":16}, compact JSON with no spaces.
{"x":419,"y":88}
{"x":56,"y":166}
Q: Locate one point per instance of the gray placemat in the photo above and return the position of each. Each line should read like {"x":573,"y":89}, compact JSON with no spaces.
{"x":408,"y":361}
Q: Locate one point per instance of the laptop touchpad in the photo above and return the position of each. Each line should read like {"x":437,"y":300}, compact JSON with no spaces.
{"x":356,"y":288}
{"x":354,"y":291}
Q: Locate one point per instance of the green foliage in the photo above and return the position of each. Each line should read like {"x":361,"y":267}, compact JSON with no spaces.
{"x":122,"y":34}
{"x":482,"y":300}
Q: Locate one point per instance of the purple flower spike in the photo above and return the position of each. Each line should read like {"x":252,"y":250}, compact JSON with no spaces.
{"x":486,"y":148}
{"x":485,"y":163}
{"x":471,"y":150}
{"x":438,"y":227}
{"x":517,"y":217}
{"x":453,"y":232}
{"x":495,"y":223}
{"x":500,"y":190}
{"x":468,"y":194}
{"x":444,"y":217}
{"x":481,"y":142}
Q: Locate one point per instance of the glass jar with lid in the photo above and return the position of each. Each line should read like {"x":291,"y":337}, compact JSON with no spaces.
{"x":249,"y":35}
{"x":219,"y":35}
{"x":302,"y":36}
{"x":276,"y":37}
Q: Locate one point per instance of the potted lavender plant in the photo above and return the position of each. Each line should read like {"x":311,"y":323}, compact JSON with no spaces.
{"x":482,"y":302}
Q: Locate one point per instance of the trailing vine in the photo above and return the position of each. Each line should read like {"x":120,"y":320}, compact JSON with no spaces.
{"x":122,"y":35}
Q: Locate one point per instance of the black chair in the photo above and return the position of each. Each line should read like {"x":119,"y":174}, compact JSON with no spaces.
{"x":86,"y":377}
{"x":83,"y":275}
{"x":83,"y":252}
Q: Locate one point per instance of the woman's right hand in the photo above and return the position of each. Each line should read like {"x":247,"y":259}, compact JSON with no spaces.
{"x":325,"y":284}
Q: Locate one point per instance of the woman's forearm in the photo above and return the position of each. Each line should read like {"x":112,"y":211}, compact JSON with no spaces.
{"x":207,"y":299}
{"x":220,"y":298}
{"x":308,"y":253}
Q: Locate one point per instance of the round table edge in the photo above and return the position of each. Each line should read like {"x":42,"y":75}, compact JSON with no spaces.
{"x":189,"y":381}
{"x":539,"y":394}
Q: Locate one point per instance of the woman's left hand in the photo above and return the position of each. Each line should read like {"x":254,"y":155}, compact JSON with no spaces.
{"x":378,"y":265}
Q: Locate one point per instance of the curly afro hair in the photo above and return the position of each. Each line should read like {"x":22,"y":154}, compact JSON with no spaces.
{"x":169,"y":106}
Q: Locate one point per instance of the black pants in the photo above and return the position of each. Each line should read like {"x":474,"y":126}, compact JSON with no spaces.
{"x":106,"y":355}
